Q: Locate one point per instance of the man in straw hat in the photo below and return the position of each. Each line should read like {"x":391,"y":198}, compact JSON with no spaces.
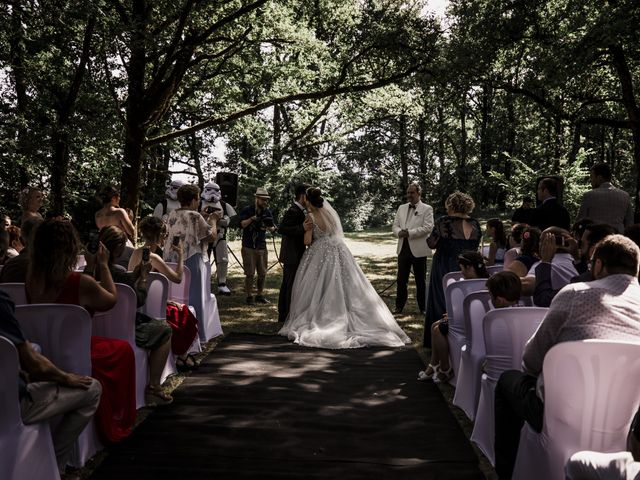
{"x":255,"y":221}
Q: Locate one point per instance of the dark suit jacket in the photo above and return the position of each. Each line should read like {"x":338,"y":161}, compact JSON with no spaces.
{"x":551,"y":214}
{"x":292,"y":232}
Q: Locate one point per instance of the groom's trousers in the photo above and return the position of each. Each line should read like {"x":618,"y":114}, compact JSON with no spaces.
{"x":406,"y":260}
{"x":284,"y":300}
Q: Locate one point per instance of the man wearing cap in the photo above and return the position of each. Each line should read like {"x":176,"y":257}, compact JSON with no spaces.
{"x":255,"y":221}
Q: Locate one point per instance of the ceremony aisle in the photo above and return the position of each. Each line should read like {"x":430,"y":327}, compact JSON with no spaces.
{"x":260,"y":406}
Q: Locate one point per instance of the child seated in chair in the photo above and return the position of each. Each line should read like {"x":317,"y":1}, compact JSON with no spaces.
{"x":504,"y":288}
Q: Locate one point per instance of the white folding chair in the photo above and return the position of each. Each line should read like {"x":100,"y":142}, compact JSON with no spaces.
{"x":16,"y":291}
{"x":454,"y":298}
{"x":63,"y":333}
{"x":26,"y":451}
{"x":120,"y":323}
{"x":475,"y":306}
{"x":591,"y":393}
{"x":505,"y":334}
{"x":450,"y":278}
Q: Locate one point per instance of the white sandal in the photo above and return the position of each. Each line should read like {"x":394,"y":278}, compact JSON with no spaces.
{"x":423,"y":376}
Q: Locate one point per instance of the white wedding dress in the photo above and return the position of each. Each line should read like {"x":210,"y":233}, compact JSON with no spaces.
{"x":333,"y":305}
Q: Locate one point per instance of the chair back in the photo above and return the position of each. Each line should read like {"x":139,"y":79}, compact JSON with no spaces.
{"x":16,"y":291}
{"x":63,"y":332}
{"x":509,"y":257}
{"x":157,"y":295}
{"x":591,"y":395}
{"x":179,"y":292}
{"x":120,"y":321}
{"x":506,"y":332}
{"x":81,"y":262}
{"x":450,"y":278}
{"x":9,"y":404}
{"x":495,"y":269}
{"x":454,"y":297}
{"x":474,"y":308}
{"x":475,"y":305}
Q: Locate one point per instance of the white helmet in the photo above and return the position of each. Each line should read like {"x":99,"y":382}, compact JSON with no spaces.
{"x":172,"y":189}
{"x":211,"y":193}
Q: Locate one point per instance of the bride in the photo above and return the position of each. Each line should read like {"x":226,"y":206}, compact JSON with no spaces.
{"x":333,"y":305}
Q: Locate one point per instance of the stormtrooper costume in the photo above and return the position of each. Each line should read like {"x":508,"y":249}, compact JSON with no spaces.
{"x":212,"y":197}
{"x":164,"y":208}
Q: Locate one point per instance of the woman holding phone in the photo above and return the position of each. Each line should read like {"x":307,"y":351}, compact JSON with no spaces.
{"x":195,"y":232}
{"x":151,"y":229}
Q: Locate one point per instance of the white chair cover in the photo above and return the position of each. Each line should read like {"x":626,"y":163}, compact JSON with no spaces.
{"x":450,"y":278}
{"x":505,"y":332}
{"x":211,"y":322}
{"x":16,"y":291}
{"x":64,"y":335}
{"x":475,"y":306}
{"x":156,"y":307}
{"x":26,"y":451}
{"x":454,"y":296}
{"x":591,"y":395}
{"x":495,"y":269}
{"x":179,"y":292}
{"x":81,"y":262}
{"x":120,"y":323}
{"x":509,"y":256}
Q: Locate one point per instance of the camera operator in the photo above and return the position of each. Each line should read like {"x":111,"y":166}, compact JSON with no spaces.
{"x":255,"y":221}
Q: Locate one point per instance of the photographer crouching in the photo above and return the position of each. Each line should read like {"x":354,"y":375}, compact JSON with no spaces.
{"x":255,"y":221}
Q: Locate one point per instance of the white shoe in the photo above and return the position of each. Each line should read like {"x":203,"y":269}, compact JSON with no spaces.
{"x":223,"y":290}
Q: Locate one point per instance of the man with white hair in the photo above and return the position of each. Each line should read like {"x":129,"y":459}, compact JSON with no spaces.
{"x":212,"y":199}
{"x":170,"y":202}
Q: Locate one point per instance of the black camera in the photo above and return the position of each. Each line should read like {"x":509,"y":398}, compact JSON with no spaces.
{"x":94,"y":242}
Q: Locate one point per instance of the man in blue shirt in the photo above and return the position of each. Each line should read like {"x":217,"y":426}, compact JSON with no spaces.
{"x":255,"y":221}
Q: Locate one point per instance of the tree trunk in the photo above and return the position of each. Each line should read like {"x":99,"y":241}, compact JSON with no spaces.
{"x":422,"y":151}
{"x":461,"y":175}
{"x":404,"y":167}
{"x":486,"y":139}
{"x":633,"y":113}
{"x":135,"y":128}
{"x":277,"y":137}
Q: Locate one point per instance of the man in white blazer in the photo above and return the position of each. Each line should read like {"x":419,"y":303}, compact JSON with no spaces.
{"x":412,"y":226}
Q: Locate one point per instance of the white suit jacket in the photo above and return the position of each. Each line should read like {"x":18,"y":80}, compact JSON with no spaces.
{"x":419,"y":223}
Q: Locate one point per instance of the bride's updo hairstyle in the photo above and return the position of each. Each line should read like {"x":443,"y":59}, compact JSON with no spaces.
{"x":314,"y":197}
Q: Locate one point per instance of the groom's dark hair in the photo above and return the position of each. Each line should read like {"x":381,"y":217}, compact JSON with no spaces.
{"x":301,"y":190}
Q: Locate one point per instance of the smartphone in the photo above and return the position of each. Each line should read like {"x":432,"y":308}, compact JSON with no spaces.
{"x":94,"y":242}
{"x":559,"y":240}
{"x":146,"y":252}
{"x":176,"y":240}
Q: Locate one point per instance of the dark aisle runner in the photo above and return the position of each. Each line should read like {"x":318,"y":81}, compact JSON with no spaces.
{"x":262,"y":407}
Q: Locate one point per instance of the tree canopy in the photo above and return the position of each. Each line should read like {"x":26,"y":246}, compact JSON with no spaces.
{"x":360,"y":97}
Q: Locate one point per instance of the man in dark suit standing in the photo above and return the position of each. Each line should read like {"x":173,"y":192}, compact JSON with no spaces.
{"x":292,"y":228}
{"x":550,"y":213}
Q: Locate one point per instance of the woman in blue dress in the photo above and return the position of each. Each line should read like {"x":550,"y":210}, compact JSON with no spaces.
{"x":452,"y":234}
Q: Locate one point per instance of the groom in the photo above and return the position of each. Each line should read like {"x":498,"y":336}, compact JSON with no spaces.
{"x":292,"y":228}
